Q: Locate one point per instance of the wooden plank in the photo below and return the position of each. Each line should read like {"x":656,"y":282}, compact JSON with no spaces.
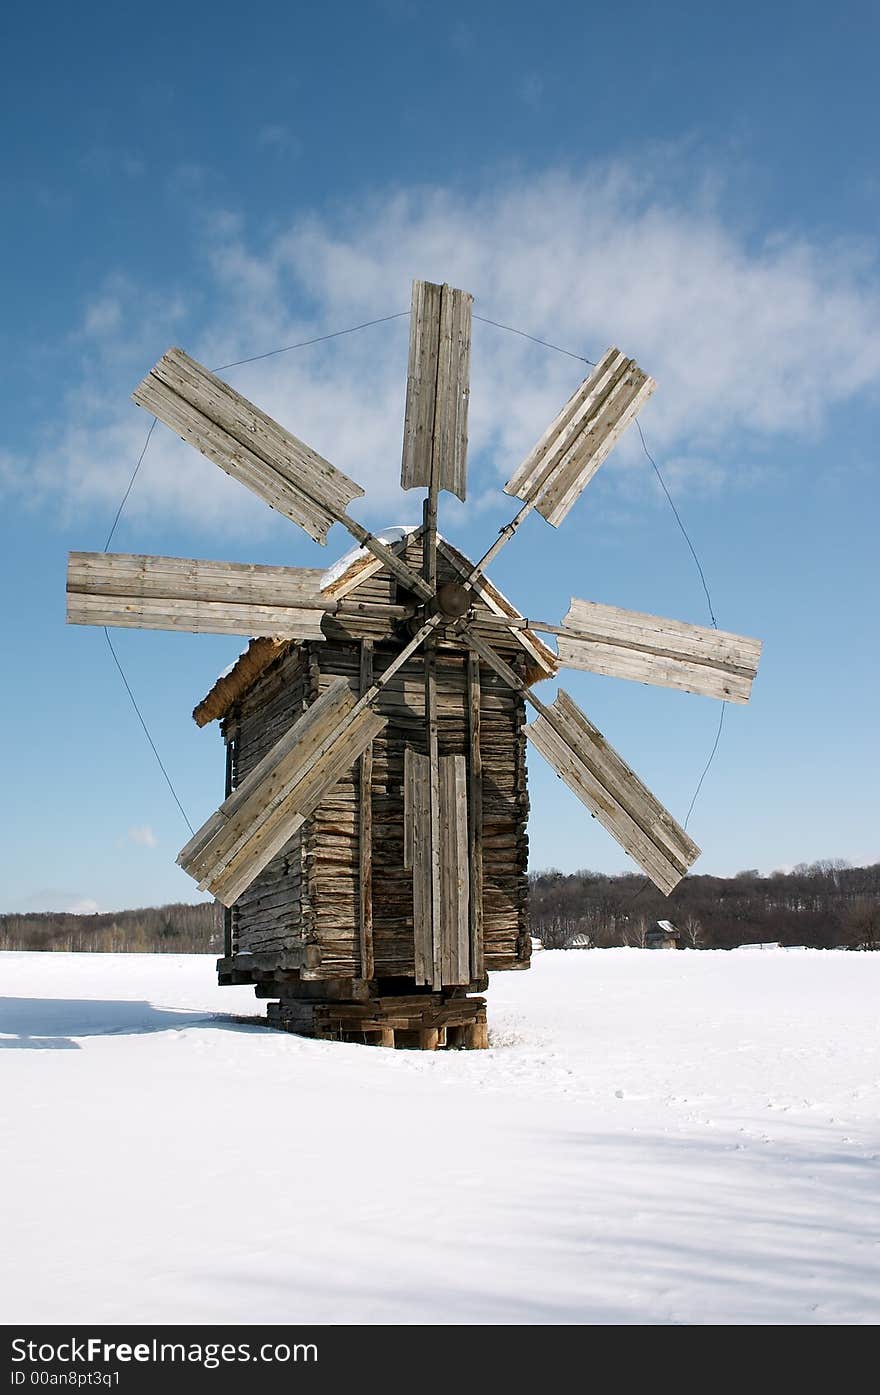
{"x":454,"y":921}
{"x":245,"y":442}
{"x":273,"y":831}
{"x":576,"y":442}
{"x":475,"y":817}
{"x":650,"y":649}
{"x":192,"y":579}
{"x":284,"y":784}
{"x":303,"y":738}
{"x":417,"y":855}
{"x":613,"y":792}
{"x":365,"y":829}
{"x":195,"y":617}
{"x":430,"y":666}
{"x":437,"y":389}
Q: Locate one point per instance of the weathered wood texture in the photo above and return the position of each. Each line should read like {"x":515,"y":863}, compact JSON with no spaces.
{"x":246,"y":443}
{"x":613,"y":793}
{"x":365,"y":828}
{"x":475,"y":815}
{"x":441,"y":931}
{"x":649,"y":649}
{"x":178,"y":593}
{"x":437,"y":389}
{"x":309,"y":892}
{"x":576,"y":442}
{"x":250,"y":827}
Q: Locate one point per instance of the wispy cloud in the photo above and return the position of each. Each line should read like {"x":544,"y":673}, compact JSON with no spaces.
{"x":749,"y":340}
{"x":143,"y":836}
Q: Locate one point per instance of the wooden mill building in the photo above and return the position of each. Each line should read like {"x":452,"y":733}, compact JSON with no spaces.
{"x":336,"y":923}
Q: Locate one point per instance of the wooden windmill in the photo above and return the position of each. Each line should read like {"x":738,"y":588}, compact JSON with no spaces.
{"x":372,"y":845}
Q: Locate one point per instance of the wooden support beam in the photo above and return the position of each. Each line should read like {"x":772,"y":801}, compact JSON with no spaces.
{"x":475,"y":817}
{"x":365,"y":828}
{"x":430,"y":657}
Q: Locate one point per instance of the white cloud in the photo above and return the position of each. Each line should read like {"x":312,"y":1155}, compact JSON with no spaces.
{"x":749,"y":340}
{"x":143,"y":836}
{"x":85,"y":906}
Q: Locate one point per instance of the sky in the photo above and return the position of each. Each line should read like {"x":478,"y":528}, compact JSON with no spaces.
{"x":697,"y":186}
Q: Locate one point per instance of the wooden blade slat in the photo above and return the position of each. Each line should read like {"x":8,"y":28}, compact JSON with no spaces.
{"x":437,"y":389}
{"x":573,"y":447}
{"x":651,"y":649}
{"x":612,"y":792}
{"x":259,"y":817}
{"x":203,"y":618}
{"x":181,"y":593}
{"x":191,"y":578}
{"x":246,"y":443}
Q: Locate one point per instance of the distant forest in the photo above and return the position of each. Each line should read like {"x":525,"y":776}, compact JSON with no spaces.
{"x":827,"y":905}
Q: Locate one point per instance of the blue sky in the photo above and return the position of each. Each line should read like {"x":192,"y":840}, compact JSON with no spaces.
{"x":697,"y":186}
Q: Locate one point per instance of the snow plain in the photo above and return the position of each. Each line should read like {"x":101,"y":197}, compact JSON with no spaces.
{"x":652,"y":1138}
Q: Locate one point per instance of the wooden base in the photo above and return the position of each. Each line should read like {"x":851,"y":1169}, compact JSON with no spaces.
{"x":421,"y":1022}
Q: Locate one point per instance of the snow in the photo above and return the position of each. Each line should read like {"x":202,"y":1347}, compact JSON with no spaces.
{"x":688,"y":1137}
{"x":387,"y":536}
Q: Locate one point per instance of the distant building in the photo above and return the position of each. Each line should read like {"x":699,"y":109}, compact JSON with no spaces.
{"x":580,"y":941}
{"x":663,"y":935}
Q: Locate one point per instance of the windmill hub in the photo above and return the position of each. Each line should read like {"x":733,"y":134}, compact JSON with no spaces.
{"x":454,"y":600}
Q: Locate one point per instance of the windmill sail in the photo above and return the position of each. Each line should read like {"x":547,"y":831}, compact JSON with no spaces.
{"x":182,"y":593}
{"x":246,"y":443}
{"x":437,"y":389}
{"x":649,"y":649}
{"x":611,"y":791}
{"x":258,"y":818}
{"x":573,"y":447}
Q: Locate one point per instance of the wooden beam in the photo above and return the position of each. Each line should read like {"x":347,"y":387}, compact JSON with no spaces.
{"x":452,"y":925}
{"x":258,"y":818}
{"x":650,"y":649}
{"x":437,"y":389}
{"x":430,"y":661}
{"x":365,"y":829}
{"x":475,"y":817}
{"x":612,"y":792}
{"x":577,"y":441}
{"x":248,"y":445}
{"x":417,"y":855}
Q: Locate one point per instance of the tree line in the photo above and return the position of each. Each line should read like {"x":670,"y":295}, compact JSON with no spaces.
{"x":177,"y":929}
{"x":825,"y":905}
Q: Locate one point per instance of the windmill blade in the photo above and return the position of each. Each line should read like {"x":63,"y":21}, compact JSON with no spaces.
{"x":246,"y":443}
{"x":612,"y":792}
{"x":258,"y":818}
{"x":649,"y":649}
{"x":182,"y":593}
{"x":252,"y":448}
{"x":437,"y":389}
{"x":573,"y":447}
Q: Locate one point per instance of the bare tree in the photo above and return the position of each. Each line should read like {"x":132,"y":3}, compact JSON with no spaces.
{"x":635,"y":934}
{"x":693,"y":932}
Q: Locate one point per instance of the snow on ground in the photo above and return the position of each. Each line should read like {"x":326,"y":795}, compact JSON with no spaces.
{"x":653,"y":1137}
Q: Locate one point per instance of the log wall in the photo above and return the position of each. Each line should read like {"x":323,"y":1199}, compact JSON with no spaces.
{"x":310,"y":892}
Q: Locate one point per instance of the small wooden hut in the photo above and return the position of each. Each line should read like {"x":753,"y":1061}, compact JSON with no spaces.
{"x":333,"y":928}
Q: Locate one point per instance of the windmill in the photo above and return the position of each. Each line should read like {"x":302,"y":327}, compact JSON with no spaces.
{"x":378,"y":717}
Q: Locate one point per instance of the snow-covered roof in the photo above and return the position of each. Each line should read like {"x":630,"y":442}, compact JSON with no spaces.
{"x":344,"y":576}
{"x":355,"y":555}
